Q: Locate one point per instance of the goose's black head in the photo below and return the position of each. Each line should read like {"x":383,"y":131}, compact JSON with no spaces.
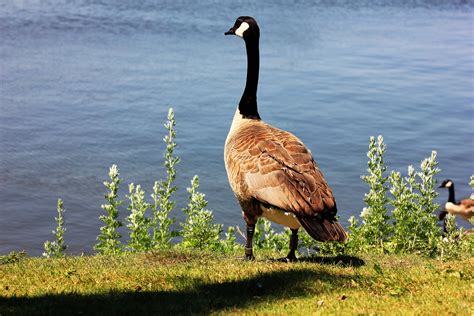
{"x":245,"y":27}
{"x":446,"y":183}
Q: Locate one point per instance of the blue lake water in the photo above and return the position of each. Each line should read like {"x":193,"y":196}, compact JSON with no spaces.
{"x":86,"y":84}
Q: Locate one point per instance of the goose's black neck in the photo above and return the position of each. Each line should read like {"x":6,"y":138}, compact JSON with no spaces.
{"x":248,"y":102}
{"x":451,"y":194}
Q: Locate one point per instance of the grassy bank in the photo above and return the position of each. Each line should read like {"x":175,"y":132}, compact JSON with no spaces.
{"x":199,"y":282}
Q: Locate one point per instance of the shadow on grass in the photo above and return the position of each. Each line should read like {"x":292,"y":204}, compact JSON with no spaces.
{"x":198,"y":298}
{"x":341,"y":260}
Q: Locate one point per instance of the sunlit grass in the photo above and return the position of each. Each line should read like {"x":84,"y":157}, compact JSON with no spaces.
{"x":202,"y":282}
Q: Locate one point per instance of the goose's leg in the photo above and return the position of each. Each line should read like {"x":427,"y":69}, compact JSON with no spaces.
{"x":293,"y":245}
{"x":249,"y":242}
{"x":250,"y":211}
{"x":442,"y":217}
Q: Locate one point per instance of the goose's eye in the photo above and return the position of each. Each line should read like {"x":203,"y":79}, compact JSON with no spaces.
{"x":242,"y":28}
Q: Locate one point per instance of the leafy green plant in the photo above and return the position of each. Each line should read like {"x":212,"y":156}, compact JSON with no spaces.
{"x":355,"y":242}
{"x":412,"y":225}
{"x":415,"y":226}
{"x":229,"y":243}
{"x":138,"y":223}
{"x":404,"y":209}
{"x":109,"y":239}
{"x":265,"y":236}
{"x":163,"y":190}
{"x":56,"y":248}
{"x":375,"y":227}
{"x":198,"y":229}
{"x":307,"y":242}
{"x":427,"y":231}
{"x":332,"y":248}
{"x":455,"y":243}
{"x":12,"y":257}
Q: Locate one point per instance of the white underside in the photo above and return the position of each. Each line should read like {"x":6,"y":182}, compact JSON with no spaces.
{"x":463,"y":212}
{"x":281,"y":217}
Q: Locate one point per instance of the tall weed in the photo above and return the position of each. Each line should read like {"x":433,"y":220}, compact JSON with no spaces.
{"x":56,"y":248}
{"x":375,"y":228}
{"x":199,"y":231}
{"x":427,"y":232}
{"x":415,"y":226}
{"x":138,"y":223}
{"x":109,"y":239}
{"x":163,"y":190}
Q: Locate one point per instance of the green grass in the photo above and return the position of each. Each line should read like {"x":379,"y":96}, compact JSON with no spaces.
{"x":182,"y":282}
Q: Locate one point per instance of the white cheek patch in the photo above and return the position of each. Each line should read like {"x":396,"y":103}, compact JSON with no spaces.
{"x":448,"y":184}
{"x":242,"y":28}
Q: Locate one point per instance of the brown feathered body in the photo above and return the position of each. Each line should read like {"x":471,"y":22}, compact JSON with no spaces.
{"x":274,"y":175}
{"x":464,"y":209}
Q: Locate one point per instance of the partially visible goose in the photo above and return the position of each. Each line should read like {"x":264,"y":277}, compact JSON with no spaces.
{"x":463,"y":208}
{"x":271,"y":171}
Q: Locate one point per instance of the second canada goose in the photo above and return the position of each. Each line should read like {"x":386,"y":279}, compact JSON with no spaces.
{"x":463,"y":208}
{"x":271,"y":171}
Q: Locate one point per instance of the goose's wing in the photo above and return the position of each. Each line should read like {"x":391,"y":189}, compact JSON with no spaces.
{"x":279,"y":170}
{"x":468,"y":205}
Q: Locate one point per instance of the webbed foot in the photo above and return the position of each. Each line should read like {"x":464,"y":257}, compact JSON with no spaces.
{"x":290,"y":258}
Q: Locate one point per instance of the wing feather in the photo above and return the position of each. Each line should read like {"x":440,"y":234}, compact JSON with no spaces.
{"x":278,"y":169}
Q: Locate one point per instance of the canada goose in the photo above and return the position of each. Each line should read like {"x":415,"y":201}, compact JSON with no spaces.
{"x":463,"y":208}
{"x":271,"y":171}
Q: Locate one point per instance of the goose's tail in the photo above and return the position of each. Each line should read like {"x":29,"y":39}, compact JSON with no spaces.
{"x":323,"y":229}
